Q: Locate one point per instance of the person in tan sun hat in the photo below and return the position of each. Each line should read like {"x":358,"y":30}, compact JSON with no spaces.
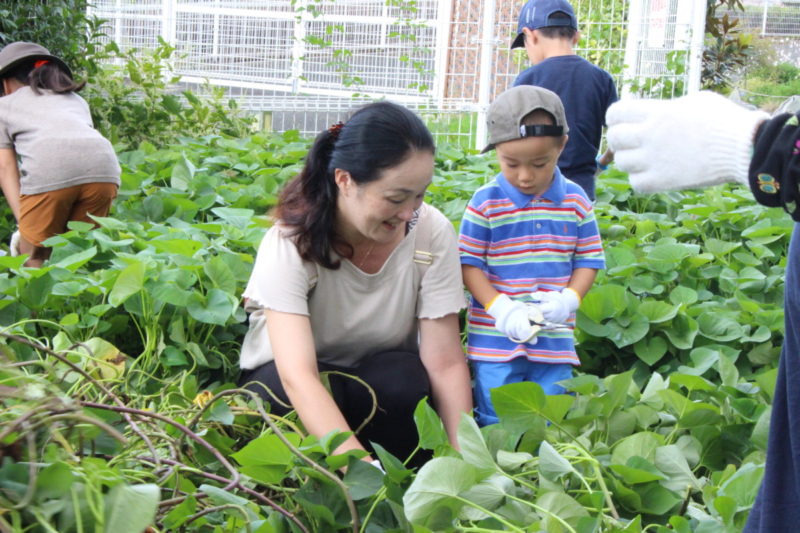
{"x":54,"y":166}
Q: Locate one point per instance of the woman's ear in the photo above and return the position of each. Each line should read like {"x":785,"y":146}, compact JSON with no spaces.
{"x":342,"y":179}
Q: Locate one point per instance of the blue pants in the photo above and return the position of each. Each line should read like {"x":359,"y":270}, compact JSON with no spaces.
{"x":777,"y":506}
{"x":491,"y":375}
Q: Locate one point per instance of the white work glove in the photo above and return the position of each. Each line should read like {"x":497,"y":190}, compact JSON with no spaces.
{"x":14,"y":244}
{"x":557,"y":306}
{"x":511,"y":319}
{"x":377,"y":464}
{"x":698,"y":140}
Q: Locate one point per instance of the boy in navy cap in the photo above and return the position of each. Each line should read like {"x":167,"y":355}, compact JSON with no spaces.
{"x":548,"y":29}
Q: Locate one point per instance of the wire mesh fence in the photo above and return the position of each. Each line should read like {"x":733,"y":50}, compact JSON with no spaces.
{"x":771,"y":18}
{"x":302,"y":64}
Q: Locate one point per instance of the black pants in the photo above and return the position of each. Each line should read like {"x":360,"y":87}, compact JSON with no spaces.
{"x":399,"y":381}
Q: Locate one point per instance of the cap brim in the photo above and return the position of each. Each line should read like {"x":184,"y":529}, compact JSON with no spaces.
{"x":518,"y":42}
{"x":487,"y":148}
{"x":36,"y":57}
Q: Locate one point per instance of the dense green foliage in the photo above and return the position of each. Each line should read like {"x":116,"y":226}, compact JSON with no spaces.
{"x":140,"y":318}
{"x":767,"y":85}
{"x":135,"y":99}
{"x":118,"y":409}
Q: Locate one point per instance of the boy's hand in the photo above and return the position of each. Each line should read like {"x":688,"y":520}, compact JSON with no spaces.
{"x":557,"y":306}
{"x":511,"y":319}
{"x":698,"y":140}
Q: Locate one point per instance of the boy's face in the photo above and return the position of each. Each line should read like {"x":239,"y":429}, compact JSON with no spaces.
{"x":529,"y":163}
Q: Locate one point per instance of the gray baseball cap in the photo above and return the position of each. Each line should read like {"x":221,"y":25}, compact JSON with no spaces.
{"x":505,"y":116}
{"x":14,"y":54}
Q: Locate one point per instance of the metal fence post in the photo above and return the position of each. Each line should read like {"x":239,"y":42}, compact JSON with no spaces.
{"x":443,"y":29}
{"x":696,"y":47}
{"x":486,"y":71}
{"x":298,"y":45}
{"x":168,"y":21}
{"x":632,"y":45}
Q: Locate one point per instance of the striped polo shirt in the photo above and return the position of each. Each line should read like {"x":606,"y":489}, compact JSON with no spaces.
{"x":523,"y":244}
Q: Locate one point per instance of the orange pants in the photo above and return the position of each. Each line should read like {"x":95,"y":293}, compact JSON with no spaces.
{"x":46,"y":214}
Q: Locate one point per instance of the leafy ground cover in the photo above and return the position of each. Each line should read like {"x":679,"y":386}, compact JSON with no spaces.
{"x":118,"y":409}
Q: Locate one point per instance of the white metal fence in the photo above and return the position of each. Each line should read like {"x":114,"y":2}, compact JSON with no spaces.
{"x":771,"y":18}
{"x":302,"y":61}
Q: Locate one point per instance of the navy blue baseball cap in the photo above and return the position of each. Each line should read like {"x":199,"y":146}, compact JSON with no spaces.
{"x":537,"y":14}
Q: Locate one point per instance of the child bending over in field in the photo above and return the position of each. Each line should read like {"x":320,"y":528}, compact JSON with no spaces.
{"x":54,"y":166}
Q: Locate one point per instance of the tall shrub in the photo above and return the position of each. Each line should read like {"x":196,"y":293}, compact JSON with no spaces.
{"x":727,"y":47}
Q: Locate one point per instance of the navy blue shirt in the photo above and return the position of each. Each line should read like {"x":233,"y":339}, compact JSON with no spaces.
{"x":586,"y":91}
{"x":777,"y":506}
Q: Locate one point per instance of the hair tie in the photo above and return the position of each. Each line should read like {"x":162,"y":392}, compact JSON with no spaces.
{"x":335,"y":129}
{"x":41,"y":62}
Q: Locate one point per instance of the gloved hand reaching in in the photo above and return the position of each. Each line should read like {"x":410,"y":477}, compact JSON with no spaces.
{"x":557,"y":306}
{"x":698,"y":140}
{"x":511,"y":319}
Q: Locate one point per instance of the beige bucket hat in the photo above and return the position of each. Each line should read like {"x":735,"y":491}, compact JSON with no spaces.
{"x":14,"y":54}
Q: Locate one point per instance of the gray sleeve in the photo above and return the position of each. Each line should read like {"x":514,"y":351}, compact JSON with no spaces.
{"x":6,"y":140}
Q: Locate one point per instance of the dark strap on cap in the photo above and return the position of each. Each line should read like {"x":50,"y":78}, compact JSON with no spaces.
{"x":541,"y":130}
{"x":775,"y":167}
{"x":558,"y":21}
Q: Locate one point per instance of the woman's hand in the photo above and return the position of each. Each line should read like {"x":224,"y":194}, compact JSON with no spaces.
{"x":296,"y":360}
{"x":441,"y":354}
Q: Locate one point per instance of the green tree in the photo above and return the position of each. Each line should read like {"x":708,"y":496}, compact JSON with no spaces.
{"x":726,"y":48}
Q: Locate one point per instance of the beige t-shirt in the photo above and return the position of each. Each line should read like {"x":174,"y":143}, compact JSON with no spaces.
{"x":352,"y":313}
{"x":53,"y":136}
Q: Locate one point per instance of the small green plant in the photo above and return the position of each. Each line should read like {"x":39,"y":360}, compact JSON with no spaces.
{"x":134,"y":98}
{"x":767,"y":82}
{"x":669,"y":85}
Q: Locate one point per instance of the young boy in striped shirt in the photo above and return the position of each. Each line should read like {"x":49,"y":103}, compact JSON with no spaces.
{"x":528,"y":238}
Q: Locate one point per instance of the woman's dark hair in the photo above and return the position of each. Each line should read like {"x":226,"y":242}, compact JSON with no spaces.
{"x":46,"y":76}
{"x":376,"y":137}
